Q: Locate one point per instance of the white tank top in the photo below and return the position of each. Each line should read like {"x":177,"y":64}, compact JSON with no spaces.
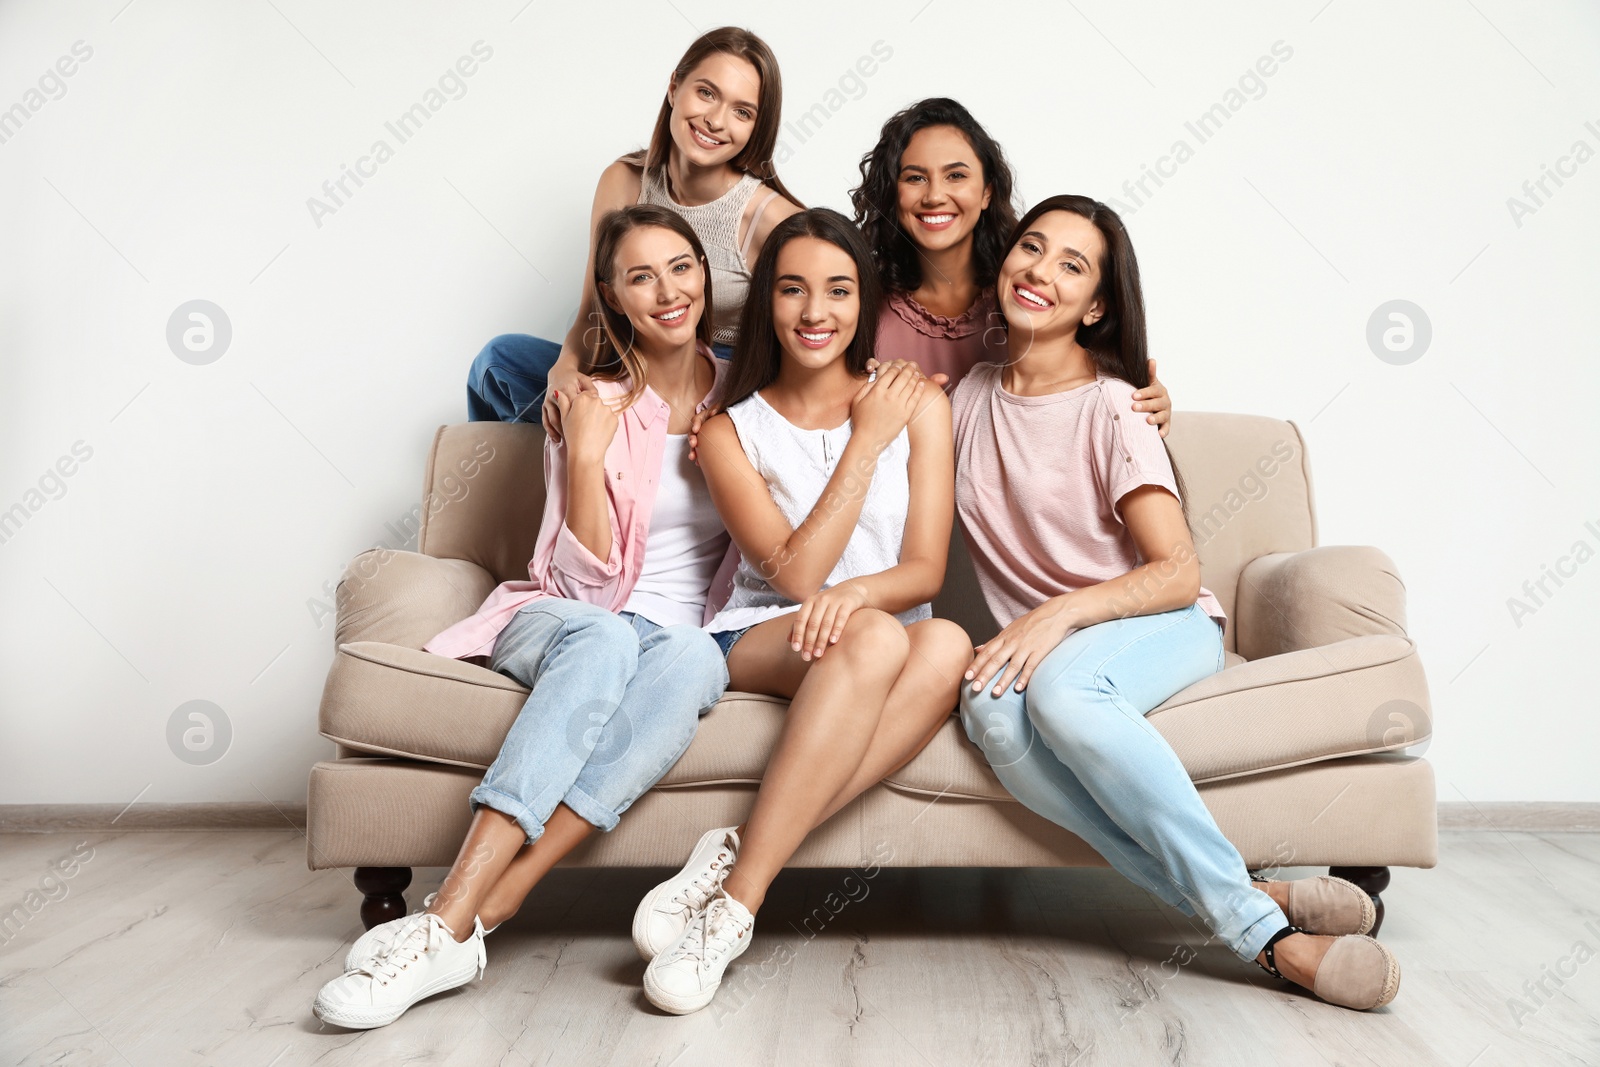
{"x":717,"y":226}
{"x":684,"y":546}
{"x":796,"y":465}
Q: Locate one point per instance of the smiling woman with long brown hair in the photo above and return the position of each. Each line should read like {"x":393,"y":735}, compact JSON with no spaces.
{"x":710,"y":160}
{"x":1075,"y":520}
{"x":605,"y":632}
{"x":837,"y":488}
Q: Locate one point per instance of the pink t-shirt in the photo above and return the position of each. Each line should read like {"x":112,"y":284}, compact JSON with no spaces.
{"x":940,"y":344}
{"x":1037,"y":480}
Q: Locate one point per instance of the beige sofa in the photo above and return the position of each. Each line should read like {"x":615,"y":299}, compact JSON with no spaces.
{"x":1296,"y":746}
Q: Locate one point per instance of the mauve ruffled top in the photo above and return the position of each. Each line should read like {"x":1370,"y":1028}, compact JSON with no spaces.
{"x":940,"y":343}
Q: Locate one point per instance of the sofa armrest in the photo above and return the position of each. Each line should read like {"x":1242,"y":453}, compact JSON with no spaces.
{"x":1290,"y":601}
{"x":405,"y":598}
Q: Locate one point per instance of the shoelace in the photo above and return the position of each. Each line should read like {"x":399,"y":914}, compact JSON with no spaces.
{"x":386,"y":947}
{"x":404,"y":950}
{"x":697,"y":893}
{"x":715,"y":933}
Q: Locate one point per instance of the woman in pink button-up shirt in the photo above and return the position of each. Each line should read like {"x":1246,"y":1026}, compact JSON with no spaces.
{"x":605,"y":632}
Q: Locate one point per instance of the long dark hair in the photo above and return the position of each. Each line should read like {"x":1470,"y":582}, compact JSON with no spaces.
{"x":1117,"y":342}
{"x":877,"y":199}
{"x":758,"y":353}
{"x":613,"y":356}
{"x":756,"y":156}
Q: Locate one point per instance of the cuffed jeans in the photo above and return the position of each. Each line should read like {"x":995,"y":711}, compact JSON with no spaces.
{"x":614,"y":701}
{"x":508,"y":378}
{"x":1076,"y":748}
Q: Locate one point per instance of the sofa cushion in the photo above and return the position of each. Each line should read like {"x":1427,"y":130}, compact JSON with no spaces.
{"x":1262,"y":715}
{"x":395,"y":701}
{"x":1362,"y":811}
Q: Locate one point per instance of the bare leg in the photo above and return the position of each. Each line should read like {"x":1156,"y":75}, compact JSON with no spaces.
{"x":833,"y":714}
{"x":496,"y":868}
{"x":921,"y":699}
{"x":563,"y":832}
{"x":919,"y":703}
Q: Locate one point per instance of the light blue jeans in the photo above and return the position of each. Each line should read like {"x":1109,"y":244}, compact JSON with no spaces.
{"x":1076,"y":748}
{"x":614,"y":701}
{"x":507,"y":380}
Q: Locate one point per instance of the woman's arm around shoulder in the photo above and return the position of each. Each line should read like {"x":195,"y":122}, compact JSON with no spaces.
{"x":918,"y":575}
{"x":618,"y":187}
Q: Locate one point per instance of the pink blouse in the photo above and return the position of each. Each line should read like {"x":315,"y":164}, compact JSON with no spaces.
{"x":561,"y":565}
{"x":937,"y":343}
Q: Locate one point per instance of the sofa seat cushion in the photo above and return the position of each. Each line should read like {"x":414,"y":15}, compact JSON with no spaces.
{"x":389,"y":700}
{"x":1261,"y":715}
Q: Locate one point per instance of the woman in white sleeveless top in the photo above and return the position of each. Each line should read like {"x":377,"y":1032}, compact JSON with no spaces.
{"x":709,"y":160}
{"x":838,"y":490}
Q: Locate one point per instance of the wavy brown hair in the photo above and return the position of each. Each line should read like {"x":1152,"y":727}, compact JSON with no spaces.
{"x":756,"y":157}
{"x":614,"y":357}
{"x":877,"y":199}
{"x":758,"y":353}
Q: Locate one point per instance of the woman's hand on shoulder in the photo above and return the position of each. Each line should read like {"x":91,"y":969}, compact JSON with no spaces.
{"x":1154,"y":399}
{"x":590,"y":423}
{"x":696,"y":424}
{"x":885,"y":405}
{"x":561,"y":383}
{"x":941,"y":379}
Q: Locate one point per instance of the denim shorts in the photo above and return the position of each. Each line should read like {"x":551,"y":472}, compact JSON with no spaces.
{"x":726,"y":638}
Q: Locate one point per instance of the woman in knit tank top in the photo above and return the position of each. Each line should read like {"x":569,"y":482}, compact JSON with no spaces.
{"x":709,"y":159}
{"x":838,"y":490}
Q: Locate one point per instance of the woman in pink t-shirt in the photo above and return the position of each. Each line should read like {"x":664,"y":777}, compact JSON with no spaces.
{"x":1074,"y":518}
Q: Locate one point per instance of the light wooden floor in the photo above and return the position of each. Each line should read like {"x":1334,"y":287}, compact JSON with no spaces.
{"x":171,"y":949}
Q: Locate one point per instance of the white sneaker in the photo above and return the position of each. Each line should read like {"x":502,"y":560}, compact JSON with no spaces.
{"x":424,"y":958}
{"x":665,"y":911}
{"x":376,"y":941}
{"x":685,"y":976}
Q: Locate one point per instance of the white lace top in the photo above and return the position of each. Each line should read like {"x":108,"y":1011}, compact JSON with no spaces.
{"x":717,"y":226}
{"x":796,"y":464}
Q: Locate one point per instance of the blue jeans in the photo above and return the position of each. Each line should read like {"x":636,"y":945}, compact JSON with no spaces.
{"x":726,"y":639}
{"x":507,"y":380}
{"x":1076,"y":748}
{"x":614,"y":701}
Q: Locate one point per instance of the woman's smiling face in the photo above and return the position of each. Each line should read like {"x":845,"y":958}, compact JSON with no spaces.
{"x":1049,"y":280}
{"x":714,"y":110}
{"x":657,"y":282}
{"x":941,"y":188}
{"x":816,"y":301}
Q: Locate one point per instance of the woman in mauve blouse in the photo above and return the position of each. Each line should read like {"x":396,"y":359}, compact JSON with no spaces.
{"x":935,"y":203}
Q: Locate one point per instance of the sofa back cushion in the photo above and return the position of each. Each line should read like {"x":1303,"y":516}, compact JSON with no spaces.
{"x":1249,"y":494}
{"x":1248,"y":484}
{"x":483,"y":496}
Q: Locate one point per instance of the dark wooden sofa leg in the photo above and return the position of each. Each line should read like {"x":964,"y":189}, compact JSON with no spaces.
{"x":383,"y":887}
{"x":1374,"y":880}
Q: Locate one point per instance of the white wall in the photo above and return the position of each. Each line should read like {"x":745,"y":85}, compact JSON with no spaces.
{"x":178,"y":561}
